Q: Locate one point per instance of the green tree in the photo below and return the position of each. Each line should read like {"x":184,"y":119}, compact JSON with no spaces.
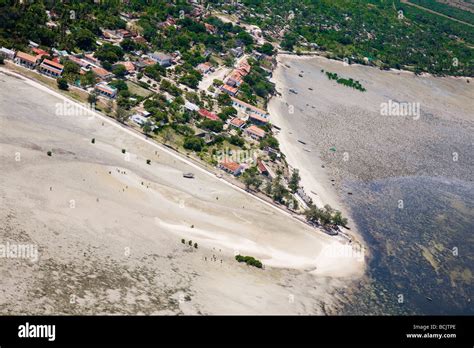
{"x":84,"y":39}
{"x":266,"y":48}
{"x":279,"y":192}
{"x":214,"y":126}
{"x":70,"y":67}
{"x":338,"y":220}
{"x":251,"y":178}
{"x":119,"y":70}
{"x":294,"y":181}
{"x":62,"y":84}
{"x":193,"y":143}
{"x":92,"y":98}
{"x":223,"y":99}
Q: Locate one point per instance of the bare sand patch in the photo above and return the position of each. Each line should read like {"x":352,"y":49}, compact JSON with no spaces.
{"x":109,"y":226}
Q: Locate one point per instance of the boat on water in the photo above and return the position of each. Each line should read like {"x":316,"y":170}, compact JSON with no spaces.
{"x":188,"y":175}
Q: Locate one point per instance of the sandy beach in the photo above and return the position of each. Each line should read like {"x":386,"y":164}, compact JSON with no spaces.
{"x":404,"y":180}
{"x":108,"y":226}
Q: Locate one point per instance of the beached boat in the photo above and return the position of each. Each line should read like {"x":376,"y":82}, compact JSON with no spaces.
{"x":302,"y":142}
{"x":188,"y":175}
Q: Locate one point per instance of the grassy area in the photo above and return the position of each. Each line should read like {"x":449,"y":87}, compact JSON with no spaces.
{"x":138,"y":90}
{"x":80,"y":96}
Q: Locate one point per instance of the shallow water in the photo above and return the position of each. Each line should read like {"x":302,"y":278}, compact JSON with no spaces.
{"x":412,"y":202}
{"x":420,"y":234}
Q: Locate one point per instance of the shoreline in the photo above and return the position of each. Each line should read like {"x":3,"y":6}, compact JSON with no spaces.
{"x":192,"y":161}
{"x":312,"y":180}
{"x":150,"y":220}
{"x":311,"y":55}
{"x":177,"y":155}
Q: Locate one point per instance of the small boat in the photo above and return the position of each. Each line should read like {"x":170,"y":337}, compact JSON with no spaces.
{"x":310,"y":88}
{"x":293,"y":91}
{"x":302,"y":142}
{"x":188,"y":175}
{"x":429,"y":298}
{"x":300,"y":75}
{"x":307,"y":150}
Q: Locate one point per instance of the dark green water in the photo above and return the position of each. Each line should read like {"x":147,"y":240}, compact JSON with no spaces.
{"x":423,"y":250}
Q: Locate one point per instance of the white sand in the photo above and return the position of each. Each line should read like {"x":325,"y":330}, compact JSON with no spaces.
{"x":113,"y":240}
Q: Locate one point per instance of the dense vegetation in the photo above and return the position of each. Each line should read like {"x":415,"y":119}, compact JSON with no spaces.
{"x":80,"y":23}
{"x":384,"y":33}
{"x":447,"y":10}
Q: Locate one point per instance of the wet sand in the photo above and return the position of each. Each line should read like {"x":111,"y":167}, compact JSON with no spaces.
{"x":405,"y":181}
{"x":328,"y":116}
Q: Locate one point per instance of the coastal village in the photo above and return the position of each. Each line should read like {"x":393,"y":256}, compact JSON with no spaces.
{"x":208,"y":103}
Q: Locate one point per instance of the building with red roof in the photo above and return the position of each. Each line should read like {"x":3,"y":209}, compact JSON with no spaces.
{"x":39,"y":52}
{"x":27,"y":60}
{"x":262,"y":168}
{"x":255,"y":133}
{"x":51,"y":68}
{"x":105,"y":90}
{"x":129,"y":66}
{"x":237,"y":122}
{"x":209,"y":115}
{"x":257,"y":119}
{"x":102,"y":73}
{"x":210,"y":28}
{"x":232,"y":91}
{"x":233,"y":168}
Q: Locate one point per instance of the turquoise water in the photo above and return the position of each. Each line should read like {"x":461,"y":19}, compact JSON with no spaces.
{"x":420,"y":231}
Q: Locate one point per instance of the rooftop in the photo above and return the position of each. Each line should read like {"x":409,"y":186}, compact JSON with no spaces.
{"x":100,"y":71}
{"x":256,"y":131}
{"x":238,"y":122}
{"x":247,"y":105}
{"x":231,"y":166}
{"x":27,"y":57}
{"x":53,"y":64}
{"x":209,"y":115}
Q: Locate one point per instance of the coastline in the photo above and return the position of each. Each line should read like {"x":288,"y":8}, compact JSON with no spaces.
{"x":315,"y":179}
{"x":396,"y":167}
{"x":285,"y":249}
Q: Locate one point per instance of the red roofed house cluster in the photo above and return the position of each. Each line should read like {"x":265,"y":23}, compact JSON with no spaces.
{"x":236,"y":78}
